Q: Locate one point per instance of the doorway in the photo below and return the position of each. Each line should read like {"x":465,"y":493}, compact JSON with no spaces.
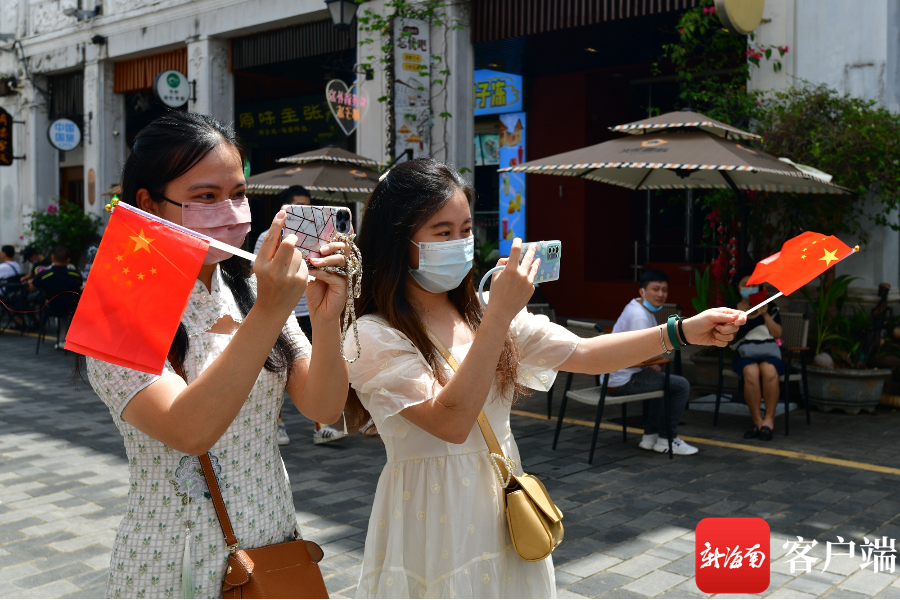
{"x":71,"y":185}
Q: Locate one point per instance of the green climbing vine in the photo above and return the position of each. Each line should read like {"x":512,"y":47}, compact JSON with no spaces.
{"x":378,"y":45}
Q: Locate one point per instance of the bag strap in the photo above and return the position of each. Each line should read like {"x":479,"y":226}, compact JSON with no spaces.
{"x":498,"y":458}
{"x":216,"y":494}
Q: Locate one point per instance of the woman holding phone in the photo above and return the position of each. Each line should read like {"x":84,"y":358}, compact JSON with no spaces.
{"x":236,"y":351}
{"x":437,"y":529}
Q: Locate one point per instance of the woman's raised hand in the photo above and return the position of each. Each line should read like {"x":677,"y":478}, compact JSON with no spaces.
{"x":512,"y":288}
{"x":713,"y":327}
{"x":326,"y":297}
{"x":281,"y":275}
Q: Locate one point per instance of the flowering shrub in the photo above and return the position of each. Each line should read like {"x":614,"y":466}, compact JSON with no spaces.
{"x":63,"y":223}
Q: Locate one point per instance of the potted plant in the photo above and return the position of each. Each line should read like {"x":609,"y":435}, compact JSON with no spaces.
{"x":838,"y":379}
{"x":63,"y":224}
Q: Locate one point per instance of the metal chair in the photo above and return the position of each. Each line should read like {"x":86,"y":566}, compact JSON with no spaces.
{"x":794,"y":335}
{"x":15,"y":298}
{"x":60,"y":308}
{"x":597,"y":396}
{"x":582,"y":329}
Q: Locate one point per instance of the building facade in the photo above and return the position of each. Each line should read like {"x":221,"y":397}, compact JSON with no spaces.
{"x":260,"y":65}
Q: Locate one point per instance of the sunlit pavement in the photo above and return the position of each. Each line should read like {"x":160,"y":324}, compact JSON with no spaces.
{"x":629,"y":517}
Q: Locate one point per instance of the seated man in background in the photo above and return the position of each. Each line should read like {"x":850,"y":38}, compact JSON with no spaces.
{"x":36,"y":263}
{"x":54,"y":282}
{"x":638,"y":314}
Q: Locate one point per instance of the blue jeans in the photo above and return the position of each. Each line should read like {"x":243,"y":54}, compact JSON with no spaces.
{"x":648,"y":380}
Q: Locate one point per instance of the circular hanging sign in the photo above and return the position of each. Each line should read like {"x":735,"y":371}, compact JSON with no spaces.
{"x":172,"y":88}
{"x":64,"y":134}
{"x":740,"y":16}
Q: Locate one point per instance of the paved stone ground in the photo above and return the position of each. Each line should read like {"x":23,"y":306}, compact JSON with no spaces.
{"x":630,"y":516}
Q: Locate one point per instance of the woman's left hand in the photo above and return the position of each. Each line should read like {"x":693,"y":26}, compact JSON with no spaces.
{"x":713,"y":327}
{"x":326,"y":297}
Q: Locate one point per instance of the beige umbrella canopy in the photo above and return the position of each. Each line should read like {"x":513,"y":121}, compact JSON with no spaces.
{"x":684,"y":119}
{"x":329,"y":174}
{"x":691,"y":159}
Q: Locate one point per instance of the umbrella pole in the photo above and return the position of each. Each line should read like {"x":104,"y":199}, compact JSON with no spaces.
{"x":745,"y":217}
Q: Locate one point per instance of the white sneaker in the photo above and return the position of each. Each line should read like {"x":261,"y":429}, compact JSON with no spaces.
{"x":328,"y":434}
{"x":679,"y":446}
{"x":648,"y":441}
{"x":281,"y":435}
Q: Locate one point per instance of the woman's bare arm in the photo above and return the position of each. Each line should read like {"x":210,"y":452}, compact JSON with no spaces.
{"x":192,"y":418}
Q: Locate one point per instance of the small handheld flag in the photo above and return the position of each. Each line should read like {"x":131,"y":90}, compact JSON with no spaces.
{"x":801,"y":260}
{"x":137,"y":289}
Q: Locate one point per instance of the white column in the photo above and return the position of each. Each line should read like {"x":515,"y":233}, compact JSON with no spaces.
{"x":208,"y":66}
{"x":454,"y":46}
{"x":103,"y":135}
{"x":41,"y":165}
{"x":453,"y":138}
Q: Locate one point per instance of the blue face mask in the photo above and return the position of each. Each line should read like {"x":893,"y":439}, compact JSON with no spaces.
{"x":443,"y":265}
{"x":746,"y":292}
{"x":650,"y":307}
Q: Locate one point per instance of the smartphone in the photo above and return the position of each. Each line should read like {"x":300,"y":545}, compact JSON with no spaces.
{"x":314,"y":225}
{"x":549,"y":253}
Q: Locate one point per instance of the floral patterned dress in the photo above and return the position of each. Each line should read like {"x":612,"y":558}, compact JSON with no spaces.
{"x":437,"y":528}
{"x":170,"y":525}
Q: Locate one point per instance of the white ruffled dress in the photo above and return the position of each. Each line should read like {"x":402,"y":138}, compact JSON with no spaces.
{"x":437,"y":529}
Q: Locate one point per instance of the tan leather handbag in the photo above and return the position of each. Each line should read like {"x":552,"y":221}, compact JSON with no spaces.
{"x":535,"y":523}
{"x":285,"y":570}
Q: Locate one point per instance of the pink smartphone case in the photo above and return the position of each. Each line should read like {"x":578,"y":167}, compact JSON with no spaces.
{"x":314,"y":225}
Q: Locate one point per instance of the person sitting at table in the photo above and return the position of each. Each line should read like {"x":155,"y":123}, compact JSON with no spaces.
{"x":638,"y":314}
{"x":757,"y":358}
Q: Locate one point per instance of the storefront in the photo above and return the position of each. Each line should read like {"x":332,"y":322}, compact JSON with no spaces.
{"x":578,"y":72}
{"x":64,"y":133}
{"x":280,"y":102}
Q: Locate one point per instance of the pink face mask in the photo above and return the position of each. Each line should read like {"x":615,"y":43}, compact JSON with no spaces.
{"x":227,"y":221}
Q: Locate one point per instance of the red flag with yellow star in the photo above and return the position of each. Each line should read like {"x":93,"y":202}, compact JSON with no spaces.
{"x":136,"y":291}
{"x":801,"y":260}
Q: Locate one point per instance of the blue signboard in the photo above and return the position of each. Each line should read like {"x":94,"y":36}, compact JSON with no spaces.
{"x":512,"y":185}
{"x":497,"y":92}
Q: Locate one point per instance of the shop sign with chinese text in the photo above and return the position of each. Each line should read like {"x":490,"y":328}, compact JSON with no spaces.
{"x":497,"y":92}
{"x":64,"y":135}
{"x":172,"y":88}
{"x":412,"y":87}
{"x":346,"y":104}
{"x":512,"y":185}
{"x":6,"y":141}
{"x":302,"y":120}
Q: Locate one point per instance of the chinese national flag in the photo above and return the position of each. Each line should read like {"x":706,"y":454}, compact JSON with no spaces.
{"x":801,"y":260}
{"x":136,"y":292}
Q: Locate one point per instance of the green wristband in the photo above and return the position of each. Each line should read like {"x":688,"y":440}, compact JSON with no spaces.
{"x":673,"y":334}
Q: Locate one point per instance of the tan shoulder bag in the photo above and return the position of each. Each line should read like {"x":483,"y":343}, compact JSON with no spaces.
{"x":285,"y":570}
{"x":535,"y":523}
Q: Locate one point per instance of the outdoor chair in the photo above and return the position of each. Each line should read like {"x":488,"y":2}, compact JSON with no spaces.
{"x":661,"y":317}
{"x":582,"y":329}
{"x":597,"y":396}
{"x":795,"y":332}
{"x":15,"y":298}
{"x":63,"y":308}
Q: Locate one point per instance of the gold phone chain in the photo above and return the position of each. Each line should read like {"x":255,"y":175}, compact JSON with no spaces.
{"x":353,"y":272}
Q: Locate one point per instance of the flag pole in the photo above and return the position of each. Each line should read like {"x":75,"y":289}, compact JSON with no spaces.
{"x":853,"y":250}
{"x":212,"y":241}
{"x":761,"y":304}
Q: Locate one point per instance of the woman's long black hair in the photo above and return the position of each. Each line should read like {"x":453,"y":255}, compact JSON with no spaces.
{"x":164,"y":150}
{"x":400,"y":204}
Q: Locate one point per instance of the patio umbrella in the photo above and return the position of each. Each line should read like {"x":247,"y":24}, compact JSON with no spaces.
{"x":685,"y":150}
{"x":329,"y":174}
{"x":693,"y":159}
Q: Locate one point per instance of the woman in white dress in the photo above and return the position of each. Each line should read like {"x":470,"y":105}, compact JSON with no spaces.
{"x":236,"y":351}
{"x":437,"y":529}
